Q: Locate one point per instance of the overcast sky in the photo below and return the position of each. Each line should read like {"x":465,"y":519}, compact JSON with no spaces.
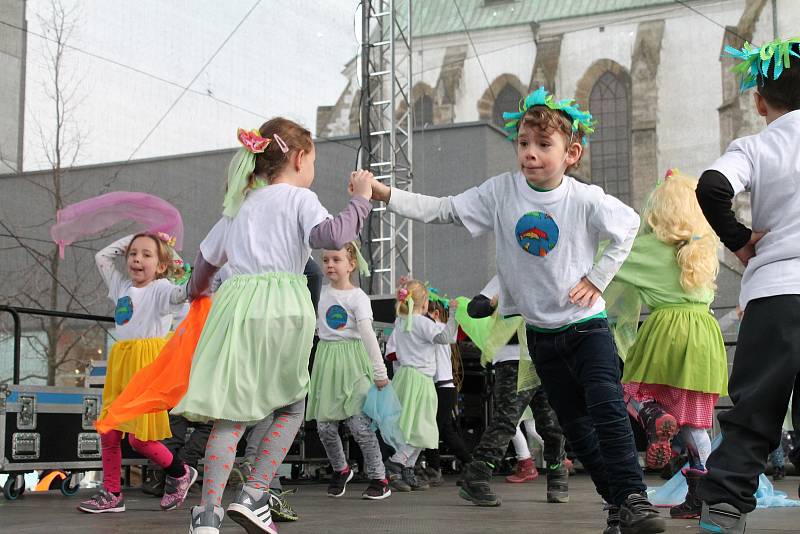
{"x":286,"y":58}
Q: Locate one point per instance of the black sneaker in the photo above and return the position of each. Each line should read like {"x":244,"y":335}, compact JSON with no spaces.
{"x":155,"y":483}
{"x":410,"y":478}
{"x":339,"y":482}
{"x":377,"y":490}
{"x":557,"y":484}
{"x":638,"y":516}
{"x":612,"y":522}
{"x":475,"y":487}
{"x":394,"y":472}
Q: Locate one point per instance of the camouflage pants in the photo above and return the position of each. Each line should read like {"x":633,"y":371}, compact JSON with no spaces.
{"x":508,"y":407}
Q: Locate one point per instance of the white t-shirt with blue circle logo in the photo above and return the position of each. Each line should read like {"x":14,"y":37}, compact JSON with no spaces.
{"x":340,"y":311}
{"x":546,"y":241}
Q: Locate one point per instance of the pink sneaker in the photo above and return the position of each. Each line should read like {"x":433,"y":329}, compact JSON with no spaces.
{"x":175,"y":489}
{"x":102,"y":502}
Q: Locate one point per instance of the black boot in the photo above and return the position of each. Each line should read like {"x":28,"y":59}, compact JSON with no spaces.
{"x":693,"y":505}
{"x":612,"y":522}
{"x":475,"y":487}
{"x":557,"y":484}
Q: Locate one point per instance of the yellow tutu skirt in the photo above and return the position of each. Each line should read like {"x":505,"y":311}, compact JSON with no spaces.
{"x":126,"y":359}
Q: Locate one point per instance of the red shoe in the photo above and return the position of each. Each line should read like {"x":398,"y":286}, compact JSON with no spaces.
{"x":525,"y":472}
{"x":661,"y":427}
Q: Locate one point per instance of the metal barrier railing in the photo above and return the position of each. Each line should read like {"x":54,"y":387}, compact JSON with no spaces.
{"x":16,"y":312}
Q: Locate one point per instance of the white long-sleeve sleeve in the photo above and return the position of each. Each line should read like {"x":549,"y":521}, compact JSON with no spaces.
{"x":619,"y":224}
{"x":423,"y":208}
{"x":373,"y":349}
{"x":105,"y":259}
{"x":450,"y":332}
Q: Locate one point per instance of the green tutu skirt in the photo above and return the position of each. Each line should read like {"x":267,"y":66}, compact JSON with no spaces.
{"x":417,"y":394}
{"x":341,"y":377}
{"x":252,"y":357}
{"x":680,"y":346}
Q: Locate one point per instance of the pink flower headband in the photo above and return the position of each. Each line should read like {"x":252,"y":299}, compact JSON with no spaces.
{"x":255,"y":144}
{"x":166,"y":238}
{"x":402,"y":294}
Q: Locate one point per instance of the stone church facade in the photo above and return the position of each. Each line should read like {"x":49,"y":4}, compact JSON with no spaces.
{"x":650,"y":71}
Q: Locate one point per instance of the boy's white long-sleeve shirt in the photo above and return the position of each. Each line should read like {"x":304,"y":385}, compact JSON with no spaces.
{"x":545,"y":241}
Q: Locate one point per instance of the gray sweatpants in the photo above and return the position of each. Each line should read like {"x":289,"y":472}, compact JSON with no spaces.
{"x":359,"y":426}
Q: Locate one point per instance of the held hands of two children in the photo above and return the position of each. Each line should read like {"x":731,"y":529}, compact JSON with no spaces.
{"x":584,"y":293}
{"x":361,"y":183}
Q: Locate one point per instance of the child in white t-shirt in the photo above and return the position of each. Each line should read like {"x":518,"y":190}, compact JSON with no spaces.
{"x":416,"y":337}
{"x":251,"y":360}
{"x":145,"y":303}
{"x":547,"y":229}
{"x":347,"y":362}
{"x":767,"y":359}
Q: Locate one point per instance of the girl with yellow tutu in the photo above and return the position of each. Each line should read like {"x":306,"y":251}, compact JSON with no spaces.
{"x":145,"y":301}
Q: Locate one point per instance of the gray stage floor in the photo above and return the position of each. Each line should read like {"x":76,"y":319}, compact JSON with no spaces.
{"x":437,"y":511}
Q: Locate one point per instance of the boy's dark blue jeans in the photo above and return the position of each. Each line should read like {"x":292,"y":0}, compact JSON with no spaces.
{"x":580,"y":371}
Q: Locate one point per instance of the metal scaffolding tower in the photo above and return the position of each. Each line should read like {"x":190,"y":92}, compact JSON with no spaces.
{"x":386,"y":128}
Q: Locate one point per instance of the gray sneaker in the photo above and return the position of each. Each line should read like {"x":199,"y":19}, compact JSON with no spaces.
{"x":251,"y":510}
{"x":206,"y":521}
{"x":722,"y":518}
{"x":394,"y":473}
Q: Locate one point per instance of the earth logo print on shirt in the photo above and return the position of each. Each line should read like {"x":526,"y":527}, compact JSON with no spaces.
{"x":537,"y":233}
{"x":336,"y":317}
{"x":124,"y":311}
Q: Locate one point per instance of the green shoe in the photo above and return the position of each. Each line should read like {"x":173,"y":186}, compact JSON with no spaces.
{"x":281,"y":511}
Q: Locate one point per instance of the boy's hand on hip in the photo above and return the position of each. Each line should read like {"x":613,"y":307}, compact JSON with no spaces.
{"x":749,"y":250}
{"x":584,"y":293}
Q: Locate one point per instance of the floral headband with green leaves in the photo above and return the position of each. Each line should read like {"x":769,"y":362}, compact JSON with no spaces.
{"x":541,"y":97}
{"x":756,"y":60}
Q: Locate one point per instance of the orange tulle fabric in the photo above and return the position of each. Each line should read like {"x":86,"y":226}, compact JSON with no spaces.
{"x":163,"y":383}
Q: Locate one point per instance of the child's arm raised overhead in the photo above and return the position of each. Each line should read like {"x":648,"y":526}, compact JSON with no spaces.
{"x":450,"y":332}
{"x":105,"y":258}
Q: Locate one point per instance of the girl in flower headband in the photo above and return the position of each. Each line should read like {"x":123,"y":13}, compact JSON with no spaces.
{"x":251,"y":360}
{"x":415,"y":339}
{"x":146,"y":300}
{"x":677,"y":367}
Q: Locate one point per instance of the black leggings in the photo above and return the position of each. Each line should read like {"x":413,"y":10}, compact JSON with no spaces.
{"x":449,"y":431}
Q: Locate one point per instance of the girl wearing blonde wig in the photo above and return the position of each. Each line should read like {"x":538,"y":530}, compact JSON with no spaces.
{"x":676,"y":368}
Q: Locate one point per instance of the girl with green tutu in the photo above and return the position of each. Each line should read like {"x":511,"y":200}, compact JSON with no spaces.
{"x":415,"y":338}
{"x":347,"y":362}
{"x":677,"y":367}
{"x":251,"y":361}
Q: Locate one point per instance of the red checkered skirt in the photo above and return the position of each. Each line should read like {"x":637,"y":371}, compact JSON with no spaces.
{"x":690,"y":408}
